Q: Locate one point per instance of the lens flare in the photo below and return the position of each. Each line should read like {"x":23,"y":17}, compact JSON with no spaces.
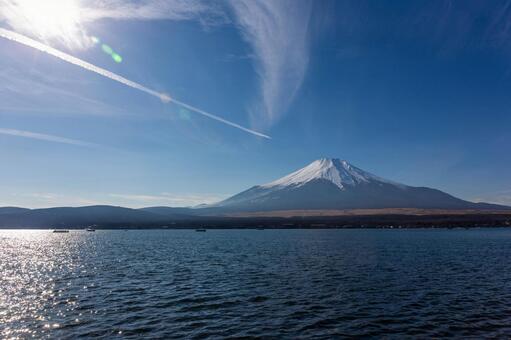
{"x":21,"y":39}
{"x":117,"y":58}
{"x":107,"y":49}
{"x":48,"y":20}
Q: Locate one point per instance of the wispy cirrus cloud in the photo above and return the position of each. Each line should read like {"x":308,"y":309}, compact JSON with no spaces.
{"x":45,"y":137}
{"x":165,"y":198}
{"x":23,"y":16}
{"x":36,"y":91}
{"x":278,"y":32}
{"x":206,"y":12}
{"x":50,"y":199}
{"x":457,"y":25}
{"x":497,"y":197}
{"x":41,"y":19}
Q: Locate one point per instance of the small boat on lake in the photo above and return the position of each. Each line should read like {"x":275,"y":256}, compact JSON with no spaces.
{"x":200,"y":230}
{"x":60,"y":231}
{"x":91,"y":228}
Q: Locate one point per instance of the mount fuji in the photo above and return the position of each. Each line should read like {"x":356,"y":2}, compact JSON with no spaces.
{"x":334,"y":184}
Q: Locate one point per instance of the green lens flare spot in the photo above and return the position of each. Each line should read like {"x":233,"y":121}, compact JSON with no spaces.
{"x":107,"y":49}
{"x":117,"y":58}
{"x":95,"y":40}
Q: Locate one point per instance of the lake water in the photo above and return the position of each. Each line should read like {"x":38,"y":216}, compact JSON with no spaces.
{"x":243,"y":283}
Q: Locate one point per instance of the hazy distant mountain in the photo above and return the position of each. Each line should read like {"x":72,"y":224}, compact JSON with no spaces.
{"x":170,"y":211}
{"x":67,"y":217}
{"x":336,"y":184}
{"x":12,"y":210}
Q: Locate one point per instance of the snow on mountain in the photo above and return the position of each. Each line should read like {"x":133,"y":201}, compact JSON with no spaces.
{"x":339,"y":172}
{"x":336,"y":184}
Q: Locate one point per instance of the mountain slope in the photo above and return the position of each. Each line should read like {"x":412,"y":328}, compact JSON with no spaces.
{"x":336,"y":184}
{"x":170,"y":211}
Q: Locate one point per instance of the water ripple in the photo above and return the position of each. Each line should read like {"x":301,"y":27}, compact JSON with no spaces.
{"x":247,"y":283}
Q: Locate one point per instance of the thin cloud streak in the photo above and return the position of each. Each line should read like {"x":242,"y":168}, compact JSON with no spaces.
{"x":13,"y":13}
{"x":36,"y":200}
{"x":278,"y":32}
{"x":46,"y":94}
{"x":21,"y":39}
{"x":498,"y":197}
{"x":177,"y":200}
{"x":40,"y":200}
{"x":45,"y":137}
{"x":152,"y":10}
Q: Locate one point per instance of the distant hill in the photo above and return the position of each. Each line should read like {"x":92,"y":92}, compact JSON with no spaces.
{"x":170,"y":211}
{"x":78,"y":217}
{"x":12,"y":210}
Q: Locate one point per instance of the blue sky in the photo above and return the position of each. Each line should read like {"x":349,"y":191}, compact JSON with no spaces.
{"x":414,"y":91}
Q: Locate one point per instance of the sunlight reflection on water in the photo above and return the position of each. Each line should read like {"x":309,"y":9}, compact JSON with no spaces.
{"x":280,"y":283}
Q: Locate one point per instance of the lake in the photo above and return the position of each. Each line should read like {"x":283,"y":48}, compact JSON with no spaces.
{"x":255,"y":283}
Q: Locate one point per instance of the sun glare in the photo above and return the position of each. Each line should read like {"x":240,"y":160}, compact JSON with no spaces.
{"x":49,"y":20}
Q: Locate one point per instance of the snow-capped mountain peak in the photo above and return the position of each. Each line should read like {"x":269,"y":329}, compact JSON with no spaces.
{"x":339,"y":172}
{"x":335,"y":184}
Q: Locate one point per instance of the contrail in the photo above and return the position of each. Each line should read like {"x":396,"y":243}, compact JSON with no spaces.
{"x":21,"y":39}
{"x":45,"y":137}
